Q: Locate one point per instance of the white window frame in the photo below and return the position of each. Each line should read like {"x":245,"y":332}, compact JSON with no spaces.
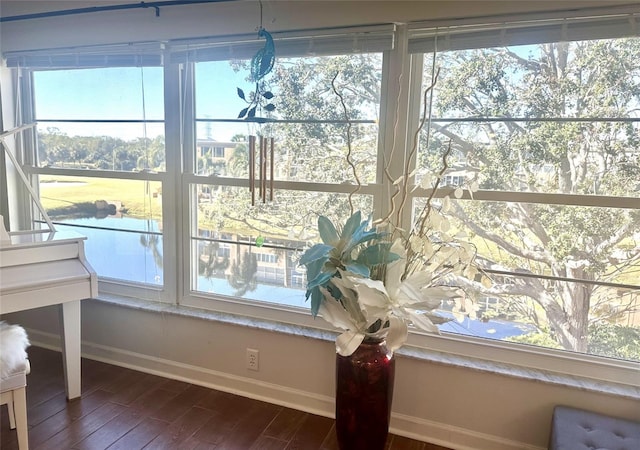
{"x":397,"y":89}
{"x":597,"y":368}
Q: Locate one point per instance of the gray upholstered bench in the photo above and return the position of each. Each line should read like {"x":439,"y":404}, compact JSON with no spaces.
{"x":575,"y":429}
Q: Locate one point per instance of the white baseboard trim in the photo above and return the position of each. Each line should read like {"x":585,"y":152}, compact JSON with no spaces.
{"x":403,"y":425}
{"x":451,"y":436}
{"x":221,"y":381}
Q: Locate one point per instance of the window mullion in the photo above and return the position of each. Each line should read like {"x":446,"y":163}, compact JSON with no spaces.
{"x":187,"y":215}
{"x":394,"y":105}
{"x":171,"y":204}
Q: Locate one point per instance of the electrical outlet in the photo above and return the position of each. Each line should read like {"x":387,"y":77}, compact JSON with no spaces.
{"x":253,"y":359}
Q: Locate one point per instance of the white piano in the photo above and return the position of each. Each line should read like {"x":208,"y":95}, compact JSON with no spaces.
{"x":41,"y":269}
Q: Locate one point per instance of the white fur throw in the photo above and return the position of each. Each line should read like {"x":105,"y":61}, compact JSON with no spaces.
{"x":13,"y":343}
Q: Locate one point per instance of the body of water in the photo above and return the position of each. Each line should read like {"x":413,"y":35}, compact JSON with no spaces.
{"x":130,"y":251}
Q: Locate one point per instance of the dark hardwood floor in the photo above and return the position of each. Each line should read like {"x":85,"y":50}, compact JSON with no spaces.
{"x":127,"y":410}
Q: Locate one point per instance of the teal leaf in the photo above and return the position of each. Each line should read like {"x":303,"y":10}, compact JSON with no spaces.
{"x":316,"y":252}
{"x":360,"y":235}
{"x":353,"y":223}
{"x":328,"y":232}
{"x":377,"y":254}
{"x":358,"y":269}
{"x":316,"y":300}
{"x":270,"y":107}
{"x":243,"y":113}
{"x":268,"y":95}
{"x":321,"y":280}
{"x":252,"y":112}
{"x":241,"y":94}
{"x":314,"y":268}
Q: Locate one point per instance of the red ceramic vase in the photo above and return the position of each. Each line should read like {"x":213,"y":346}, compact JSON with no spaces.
{"x":364,"y":391}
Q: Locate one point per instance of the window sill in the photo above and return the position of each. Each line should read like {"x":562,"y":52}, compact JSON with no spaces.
{"x":410,"y":350}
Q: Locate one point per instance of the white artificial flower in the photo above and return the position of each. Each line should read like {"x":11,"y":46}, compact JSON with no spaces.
{"x":398,"y":301}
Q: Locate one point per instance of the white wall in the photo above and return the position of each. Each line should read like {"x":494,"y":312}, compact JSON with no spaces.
{"x":237,"y":17}
{"x":453,"y":406}
{"x":456,"y":407}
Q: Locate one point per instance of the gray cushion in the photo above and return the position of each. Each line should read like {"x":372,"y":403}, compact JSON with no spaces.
{"x":575,"y":429}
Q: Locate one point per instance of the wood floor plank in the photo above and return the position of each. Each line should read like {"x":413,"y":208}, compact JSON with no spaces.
{"x":403,"y":443}
{"x":180,"y":404}
{"x":250,"y":426}
{"x":38,"y":413}
{"x":179,"y":431}
{"x":45,"y":430}
{"x":81,"y":428}
{"x":193,"y":444}
{"x":97,"y":376}
{"x":285,"y":424}
{"x":143,"y":433}
{"x":137,"y":387}
{"x":269,"y":443}
{"x":8,"y":438}
{"x":122,"y":409}
{"x":330,"y":442}
{"x":111,"y":431}
{"x":311,"y":434}
{"x":176,"y":386}
{"x":152,"y":401}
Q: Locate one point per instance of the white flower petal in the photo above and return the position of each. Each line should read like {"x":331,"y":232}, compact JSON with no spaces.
{"x":422,"y":321}
{"x":333,"y":312}
{"x":371,"y":292}
{"x":348,"y":342}
{"x":398,"y":333}
{"x":395,"y":269}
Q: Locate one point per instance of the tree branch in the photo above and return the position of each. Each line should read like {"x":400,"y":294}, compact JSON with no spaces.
{"x":508,"y":246}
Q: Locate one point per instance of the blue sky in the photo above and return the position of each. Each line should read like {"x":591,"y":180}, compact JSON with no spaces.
{"x":116,"y":93}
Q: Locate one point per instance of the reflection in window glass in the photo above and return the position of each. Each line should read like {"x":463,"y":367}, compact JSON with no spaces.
{"x":252,"y":251}
{"x":122,"y":255}
{"x":121,"y":218}
{"x":517,"y":314}
{"x":557,"y":247}
{"x":265,"y":273}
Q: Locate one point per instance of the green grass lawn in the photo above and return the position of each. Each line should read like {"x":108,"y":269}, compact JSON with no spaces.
{"x":140,"y":199}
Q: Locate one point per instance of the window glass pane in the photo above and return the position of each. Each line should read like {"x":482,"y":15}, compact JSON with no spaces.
{"x":121,"y":218}
{"x":540,"y":118}
{"x":117,"y":93}
{"x":301,"y":88}
{"x":134,"y":257}
{"x":102,"y":146}
{"x":559,"y":118}
{"x":552,"y":245}
{"x":589,"y":243}
{"x":307,"y":124}
{"x":301,"y":152}
{"x":252,"y":251}
{"x":107,"y":119}
{"x":598,"y":320}
{"x":244,"y":270}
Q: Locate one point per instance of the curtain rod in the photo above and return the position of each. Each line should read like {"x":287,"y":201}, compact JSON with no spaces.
{"x":91,"y":9}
